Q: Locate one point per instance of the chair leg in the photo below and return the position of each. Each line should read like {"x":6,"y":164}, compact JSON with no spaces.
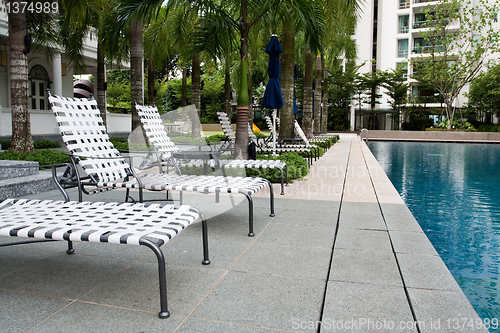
{"x":250,"y":214}
{"x":162,"y":276}
{"x":282,"y":186}
{"x":70,"y":249}
{"x":271,"y":198}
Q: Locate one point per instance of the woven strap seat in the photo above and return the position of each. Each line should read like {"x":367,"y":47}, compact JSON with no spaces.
{"x":158,"y":138}
{"x":192,"y":183}
{"x":85,"y":136}
{"x":228,"y":131}
{"x":101,"y":222}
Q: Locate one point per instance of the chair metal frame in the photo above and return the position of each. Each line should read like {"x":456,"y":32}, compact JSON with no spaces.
{"x":85,"y":136}
{"x":164,"y":148}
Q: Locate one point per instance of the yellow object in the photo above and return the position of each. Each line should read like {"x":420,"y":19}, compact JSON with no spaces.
{"x":256,"y":129}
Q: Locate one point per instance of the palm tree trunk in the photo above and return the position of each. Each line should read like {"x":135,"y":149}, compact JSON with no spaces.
{"x":307,"y":121}
{"x":101,"y":83}
{"x":241,"y":146}
{"x":21,"y":127}
{"x":151,"y":82}
{"x":250,"y":99}
{"x":184,"y":87}
{"x":317,"y":95}
{"x":196,"y":93}
{"x":287,"y":63}
{"x":227,"y":86}
{"x":136,"y":70}
{"x":324,"y":113}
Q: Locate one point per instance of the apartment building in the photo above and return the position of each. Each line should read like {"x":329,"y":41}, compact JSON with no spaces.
{"x":388,"y":35}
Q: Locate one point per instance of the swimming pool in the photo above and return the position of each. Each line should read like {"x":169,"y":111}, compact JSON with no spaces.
{"x":453,"y":190}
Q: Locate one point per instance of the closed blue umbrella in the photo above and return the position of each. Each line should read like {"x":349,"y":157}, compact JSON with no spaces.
{"x":273,"y":99}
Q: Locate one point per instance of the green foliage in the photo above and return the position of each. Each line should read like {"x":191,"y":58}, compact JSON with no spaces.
{"x":457,"y":125}
{"x":212,"y":96}
{"x":37,"y":144}
{"x":119,"y":142}
{"x":41,"y":144}
{"x":484,"y":95}
{"x":489,"y":128}
{"x":118,"y":96}
{"x":297,"y":167}
{"x":460,"y":36}
{"x":216,"y":138}
{"x":42,"y":156}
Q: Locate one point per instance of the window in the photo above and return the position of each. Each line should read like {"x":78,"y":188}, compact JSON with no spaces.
{"x":422,"y":45}
{"x":402,"y":48}
{"x":39,"y":82}
{"x":403,"y":68}
{"x":404,"y":24}
{"x":420,"y":21}
{"x":404,"y":4}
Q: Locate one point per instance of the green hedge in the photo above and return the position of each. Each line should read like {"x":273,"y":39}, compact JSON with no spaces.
{"x":37,"y":144}
{"x":42,"y":156}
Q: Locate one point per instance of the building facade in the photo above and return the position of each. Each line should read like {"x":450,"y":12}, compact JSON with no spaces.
{"x":388,"y":35}
{"x":46,"y":70}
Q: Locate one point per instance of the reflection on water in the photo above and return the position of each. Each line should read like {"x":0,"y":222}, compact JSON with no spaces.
{"x":453,"y":190}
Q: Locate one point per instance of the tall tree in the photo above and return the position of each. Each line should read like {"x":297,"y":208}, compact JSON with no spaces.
{"x":484,"y":95}
{"x":307,"y":119}
{"x":458,"y":38}
{"x":21,"y":126}
{"x":396,"y":86}
{"x":136,"y":70}
{"x":42,"y":32}
{"x":317,"y":94}
{"x":287,"y":115}
{"x":77,"y":21}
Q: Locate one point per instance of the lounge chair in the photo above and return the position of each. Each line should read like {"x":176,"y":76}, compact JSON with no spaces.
{"x":85,"y":136}
{"x":101,"y":222}
{"x":229,"y":133}
{"x":299,"y":133}
{"x":165,"y":149}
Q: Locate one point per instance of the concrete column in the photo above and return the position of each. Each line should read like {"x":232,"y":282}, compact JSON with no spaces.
{"x":57,"y":73}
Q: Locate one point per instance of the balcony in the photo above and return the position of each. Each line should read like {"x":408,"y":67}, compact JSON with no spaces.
{"x":429,"y":24}
{"x":427,"y":49}
{"x":402,"y":53}
{"x":403,"y":29}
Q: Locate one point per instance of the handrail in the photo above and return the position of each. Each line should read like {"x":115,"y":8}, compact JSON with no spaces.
{"x":363,"y":130}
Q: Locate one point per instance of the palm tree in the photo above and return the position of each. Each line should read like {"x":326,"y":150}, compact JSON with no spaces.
{"x":44,"y":33}
{"x":21,"y":128}
{"x":307,"y":119}
{"x":240,"y":16}
{"x":317,"y":94}
{"x":78,"y":19}
{"x":287,"y":115}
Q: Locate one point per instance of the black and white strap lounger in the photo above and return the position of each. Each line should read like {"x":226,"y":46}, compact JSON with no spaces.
{"x":101,"y":222}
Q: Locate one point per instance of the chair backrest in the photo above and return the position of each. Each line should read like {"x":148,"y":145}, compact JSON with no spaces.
{"x":226,"y":126}
{"x":299,"y":131}
{"x":85,"y":136}
{"x":154,"y":129}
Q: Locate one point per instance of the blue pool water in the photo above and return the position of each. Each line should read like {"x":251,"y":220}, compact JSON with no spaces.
{"x":453,"y":190}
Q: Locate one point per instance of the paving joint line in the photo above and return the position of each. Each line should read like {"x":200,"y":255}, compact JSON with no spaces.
{"x":333,"y":245}
{"x":405,"y":288}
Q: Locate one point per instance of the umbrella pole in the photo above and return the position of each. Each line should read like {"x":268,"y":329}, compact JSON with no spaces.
{"x":274,"y":131}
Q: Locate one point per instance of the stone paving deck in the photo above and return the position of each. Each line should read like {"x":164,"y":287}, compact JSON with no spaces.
{"x":342,"y":254}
